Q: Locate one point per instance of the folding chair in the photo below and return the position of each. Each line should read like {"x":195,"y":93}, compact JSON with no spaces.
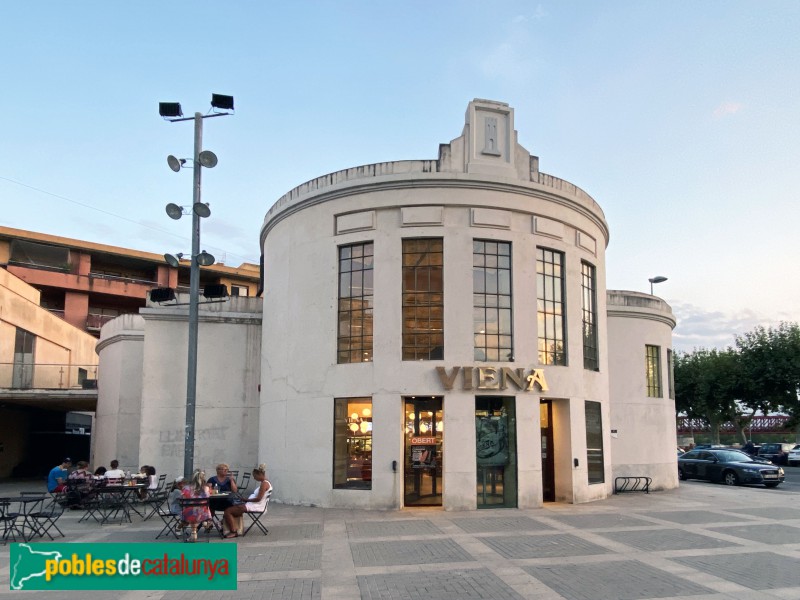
{"x":244,"y":483}
{"x":155,"y":501}
{"x":45,"y":519}
{"x":255,"y":517}
{"x":197,"y":527}
{"x":9,"y":520}
{"x":171,"y":520}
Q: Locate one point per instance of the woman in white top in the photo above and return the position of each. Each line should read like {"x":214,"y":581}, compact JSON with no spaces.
{"x":115,"y":473}
{"x":257,"y":502}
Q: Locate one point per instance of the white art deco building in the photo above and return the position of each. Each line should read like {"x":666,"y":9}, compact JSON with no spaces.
{"x":433,"y":332}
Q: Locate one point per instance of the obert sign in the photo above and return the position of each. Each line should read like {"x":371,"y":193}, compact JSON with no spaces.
{"x":493,"y":378}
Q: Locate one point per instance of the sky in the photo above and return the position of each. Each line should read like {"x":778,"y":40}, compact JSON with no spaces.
{"x":681,"y":119}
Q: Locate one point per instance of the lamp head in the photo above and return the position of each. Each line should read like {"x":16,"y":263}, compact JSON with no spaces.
{"x":174,"y":211}
{"x":173,"y":260}
{"x":175,"y":163}
{"x":222,"y":102}
{"x":657,"y":279}
{"x":170,"y":109}
{"x":204,"y":259}
{"x":208,"y":159}
{"x":201,"y":209}
{"x":162,"y":295}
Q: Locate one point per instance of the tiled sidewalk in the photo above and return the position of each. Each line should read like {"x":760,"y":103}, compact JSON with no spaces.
{"x":701,"y":542}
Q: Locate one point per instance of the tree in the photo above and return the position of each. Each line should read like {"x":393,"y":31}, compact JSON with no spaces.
{"x":705,"y":387}
{"x":762,"y":374}
{"x":770,"y":368}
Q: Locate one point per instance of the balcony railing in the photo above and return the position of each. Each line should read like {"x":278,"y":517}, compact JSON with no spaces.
{"x":122,"y":278}
{"x":94,"y":321}
{"x":22,"y":376}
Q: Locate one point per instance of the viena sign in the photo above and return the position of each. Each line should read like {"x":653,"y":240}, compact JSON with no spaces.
{"x":493,"y":378}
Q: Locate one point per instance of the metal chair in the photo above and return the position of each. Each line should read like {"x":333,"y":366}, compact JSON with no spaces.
{"x":9,"y":520}
{"x":49,"y":513}
{"x":255,"y":517}
{"x":171,"y":519}
{"x":244,"y":483}
{"x":190,"y":532}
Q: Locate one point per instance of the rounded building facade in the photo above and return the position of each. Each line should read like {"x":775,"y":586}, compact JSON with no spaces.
{"x":435,"y":332}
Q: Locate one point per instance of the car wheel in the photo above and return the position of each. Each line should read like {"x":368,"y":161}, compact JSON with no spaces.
{"x":793,"y":463}
{"x":681,"y":474}
{"x":730,"y":478}
{"x":773,"y":484}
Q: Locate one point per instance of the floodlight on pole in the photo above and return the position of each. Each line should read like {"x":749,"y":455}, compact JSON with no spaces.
{"x":170,"y":109}
{"x":656,"y":279}
{"x":174,"y":260}
{"x":201,"y":158}
{"x":174,"y":211}
{"x":175,"y":163}
{"x":201,"y":210}
{"x":222,"y":102}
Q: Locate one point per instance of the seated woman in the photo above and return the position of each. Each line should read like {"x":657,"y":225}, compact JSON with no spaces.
{"x":194,"y":516}
{"x":152,"y":481}
{"x":175,"y":494}
{"x":257,"y":502}
{"x":223,"y":480}
{"x":79,"y":484}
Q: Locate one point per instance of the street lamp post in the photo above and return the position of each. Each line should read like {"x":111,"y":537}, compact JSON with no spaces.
{"x":172,"y":112}
{"x":656,"y":279}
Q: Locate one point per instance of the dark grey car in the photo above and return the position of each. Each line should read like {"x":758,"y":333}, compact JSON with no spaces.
{"x":731,"y":467}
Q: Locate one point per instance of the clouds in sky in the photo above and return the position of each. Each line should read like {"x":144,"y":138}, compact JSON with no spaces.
{"x":726,"y":109}
{"x":701,"y":328}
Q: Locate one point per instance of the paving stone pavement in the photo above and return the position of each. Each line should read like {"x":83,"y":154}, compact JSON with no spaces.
{"x":699,"y":542}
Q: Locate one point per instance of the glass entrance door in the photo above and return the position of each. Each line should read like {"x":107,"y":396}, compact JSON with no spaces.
{"x":548,"y":458}
{"x":496,"y":451}
{"x":423,"y":453}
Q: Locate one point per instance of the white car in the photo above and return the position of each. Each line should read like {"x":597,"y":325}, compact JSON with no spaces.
{"x":793,"y":460}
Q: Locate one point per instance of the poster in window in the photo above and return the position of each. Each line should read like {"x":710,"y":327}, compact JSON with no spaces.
{"x":491,"y":440}
{"x":423,"y":452}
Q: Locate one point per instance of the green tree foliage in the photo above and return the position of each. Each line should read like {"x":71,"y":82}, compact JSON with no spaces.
{"x":705,"y":386}
{"x":770,"y":368}
{"x":762,"y":373}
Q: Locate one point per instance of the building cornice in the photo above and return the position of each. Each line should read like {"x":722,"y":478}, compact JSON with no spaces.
{"x":182,"y":314}
{"x":122,"y":336}
{"x":288,"y":206}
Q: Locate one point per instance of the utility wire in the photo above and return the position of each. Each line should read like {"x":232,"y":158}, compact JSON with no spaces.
{"x":111,"y":214}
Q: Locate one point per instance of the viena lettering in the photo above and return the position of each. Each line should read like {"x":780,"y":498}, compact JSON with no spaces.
{"x":493,"y":378}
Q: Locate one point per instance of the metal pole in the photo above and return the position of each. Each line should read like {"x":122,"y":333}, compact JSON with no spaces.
{"x":194,"y":293}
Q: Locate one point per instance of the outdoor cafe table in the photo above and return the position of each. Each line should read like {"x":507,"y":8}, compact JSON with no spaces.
{"x":218,"y":503}
{"x":116,"y":500}
{"x":28,"y":505}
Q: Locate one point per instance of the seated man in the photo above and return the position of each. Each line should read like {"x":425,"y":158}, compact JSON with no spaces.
{"x":57,"y":478}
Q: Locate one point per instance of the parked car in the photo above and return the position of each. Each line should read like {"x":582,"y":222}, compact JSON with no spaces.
{"x":777,"y":453}
{"x":707,"y":446}
{"x":731,"y":467}
{"x":794,"y":456}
